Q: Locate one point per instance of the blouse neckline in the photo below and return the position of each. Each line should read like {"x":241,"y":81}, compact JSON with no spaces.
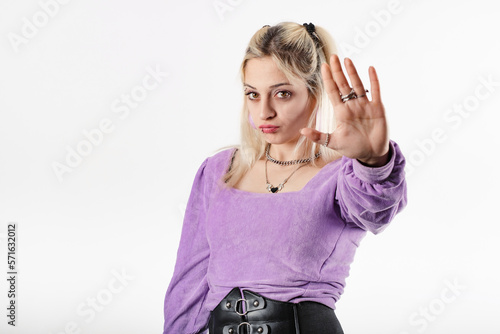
{"x":304,"y":188}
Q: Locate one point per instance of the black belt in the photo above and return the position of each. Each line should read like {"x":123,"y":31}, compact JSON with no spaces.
{"x":255,"y":314}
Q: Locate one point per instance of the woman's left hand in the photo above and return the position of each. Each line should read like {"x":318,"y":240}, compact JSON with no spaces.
{"x":361,"y":128}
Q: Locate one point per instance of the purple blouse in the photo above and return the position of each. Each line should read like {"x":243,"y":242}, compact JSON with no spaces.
{"x":288,"y":246}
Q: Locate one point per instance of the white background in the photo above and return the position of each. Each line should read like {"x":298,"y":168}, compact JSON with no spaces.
{"x":119,"y":211}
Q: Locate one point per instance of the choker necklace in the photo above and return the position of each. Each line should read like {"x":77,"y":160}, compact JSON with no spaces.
{"x":290,"y":162}
{"x":280,"y":186}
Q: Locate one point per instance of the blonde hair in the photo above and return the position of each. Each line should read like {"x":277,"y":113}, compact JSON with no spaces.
{"x":299,"y":55}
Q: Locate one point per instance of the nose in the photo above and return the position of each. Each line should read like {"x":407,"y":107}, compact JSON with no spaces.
{"x":266,"y":109}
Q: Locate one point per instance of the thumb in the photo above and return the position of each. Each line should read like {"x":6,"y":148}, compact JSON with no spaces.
{"x":315,"y":135}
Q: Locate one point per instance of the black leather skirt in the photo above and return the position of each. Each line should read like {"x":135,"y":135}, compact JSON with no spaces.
{"x":255,"y":314}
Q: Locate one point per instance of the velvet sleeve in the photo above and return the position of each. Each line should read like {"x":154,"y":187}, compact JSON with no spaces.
{"x":184,"y":309}
{"x":370,"y":197}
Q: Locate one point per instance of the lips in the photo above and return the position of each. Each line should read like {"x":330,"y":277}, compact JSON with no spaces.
{"x":268,"y":128}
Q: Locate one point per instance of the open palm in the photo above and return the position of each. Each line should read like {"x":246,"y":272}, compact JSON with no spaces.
{"x":361,"y":128}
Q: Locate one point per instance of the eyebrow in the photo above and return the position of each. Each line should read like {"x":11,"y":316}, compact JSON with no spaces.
{"x":273,"y":86}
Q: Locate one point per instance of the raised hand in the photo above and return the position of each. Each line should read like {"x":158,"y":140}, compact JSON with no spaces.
{"x":361,"y":128}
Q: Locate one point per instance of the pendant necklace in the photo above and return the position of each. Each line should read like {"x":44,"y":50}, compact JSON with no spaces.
{"x":280,"y":186}
{"x":304,"y":162}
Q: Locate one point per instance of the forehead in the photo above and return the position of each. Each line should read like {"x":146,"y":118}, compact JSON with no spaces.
{"x":263,"y":72}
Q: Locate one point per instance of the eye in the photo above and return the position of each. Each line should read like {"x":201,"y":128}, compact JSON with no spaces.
{"x":283,"y":94}
{"x":252,"y":95}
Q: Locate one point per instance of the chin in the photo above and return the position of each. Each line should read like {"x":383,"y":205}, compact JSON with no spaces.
{"x":278,"y":140}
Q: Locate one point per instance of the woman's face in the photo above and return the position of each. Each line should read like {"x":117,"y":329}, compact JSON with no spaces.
{"x":278,"y":107}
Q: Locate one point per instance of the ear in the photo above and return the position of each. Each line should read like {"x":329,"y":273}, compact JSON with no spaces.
{"x":313,"y":102}
{"x":317,"y":117}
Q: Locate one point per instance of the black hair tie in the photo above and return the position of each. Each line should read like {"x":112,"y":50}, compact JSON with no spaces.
{"x":311,"y":29}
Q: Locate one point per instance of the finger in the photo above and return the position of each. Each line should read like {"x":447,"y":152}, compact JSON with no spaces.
{"x":354,"y":77}
{"x":330,"y":86}
{"x":338,"y":75}
{"x":318,"y":137}
{"x":375,"y":87}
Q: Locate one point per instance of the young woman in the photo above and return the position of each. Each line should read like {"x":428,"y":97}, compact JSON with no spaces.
{"x":271,"y":226}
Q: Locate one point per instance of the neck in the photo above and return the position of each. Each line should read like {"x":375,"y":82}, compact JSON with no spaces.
{"x":283,"y":152}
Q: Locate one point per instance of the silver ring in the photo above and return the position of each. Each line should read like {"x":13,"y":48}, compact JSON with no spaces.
{"x":350,"y":94}
{"x":349,"y":98}
{"x":236,"y":306}
{"x":249,"y":327}
{"x":327,"y":140}
{"x":366,"y":91}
